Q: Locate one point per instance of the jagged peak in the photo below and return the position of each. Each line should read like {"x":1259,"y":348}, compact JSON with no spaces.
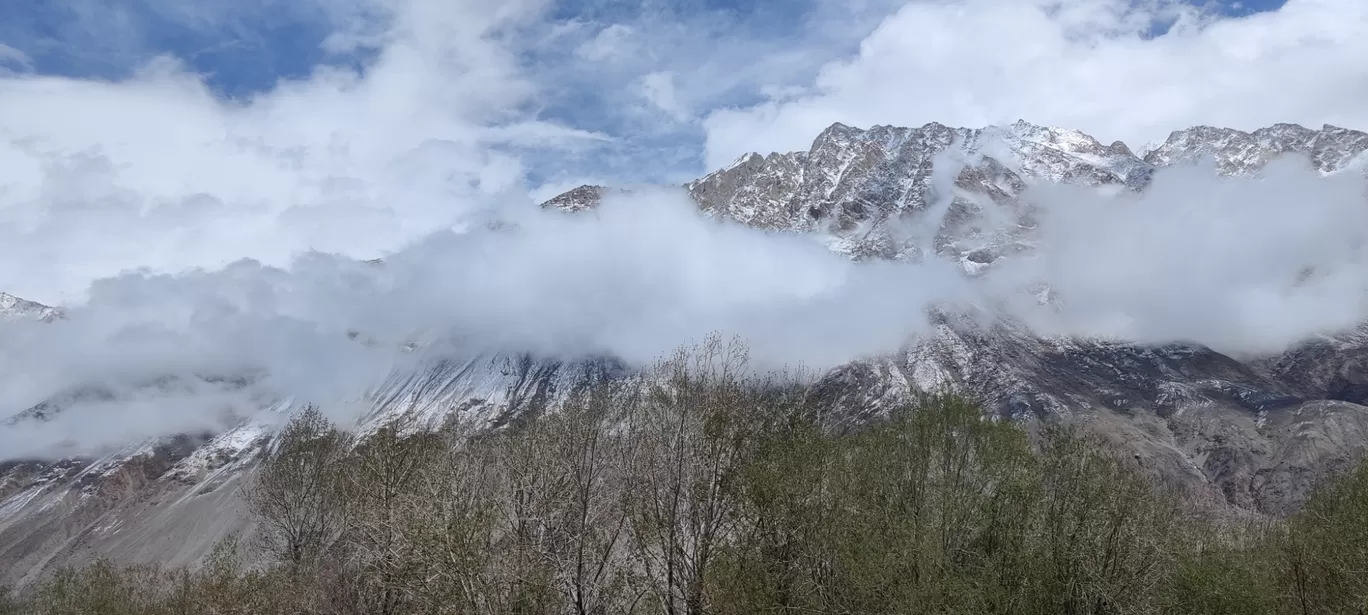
{"x":1207,"y":129}
{"x":1027,"y":129}
{"x":1024,"y":127}
{"x":582,"y":197}
{"x":744,"y":159}
{"x":836,"y":136}
{"x":1240,"y":152}
{"x":838,"y":130}
{"x":1283,"y":126}
{"x":1082,"y":154}
{"x":18,"y":308}
{"x":1020,"y":127}
{"x":8,"y":301}
{"x":1331,"y":129}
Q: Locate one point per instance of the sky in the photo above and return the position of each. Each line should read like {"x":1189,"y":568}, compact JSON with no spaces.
{"x":682,"y":86}
{"x":171,"y":134}
{"x":198,"y":183}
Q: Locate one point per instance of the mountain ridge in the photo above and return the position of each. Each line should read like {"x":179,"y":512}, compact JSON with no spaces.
{"x":852,"y":181}
{"x":1255,"y":433}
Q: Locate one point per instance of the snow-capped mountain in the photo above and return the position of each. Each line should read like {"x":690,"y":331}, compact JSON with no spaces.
{"x":849,"y":175}
{"x":14,"y":308}
{"x":856,"y":185}
{"x":1255,"y":432}
{"x":1236,"y":152}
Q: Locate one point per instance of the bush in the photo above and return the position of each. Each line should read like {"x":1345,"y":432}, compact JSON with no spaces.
{"x":1324,"y":551}
{"x":9,"y":604}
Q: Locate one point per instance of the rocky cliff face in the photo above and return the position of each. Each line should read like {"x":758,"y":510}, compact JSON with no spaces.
{"x":1255,"y":432}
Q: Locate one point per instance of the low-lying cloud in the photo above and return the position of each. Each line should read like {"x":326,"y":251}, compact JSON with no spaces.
{"x":1247,"y":265}
{"x":190,"y":236}
{"x":1244,"y":265}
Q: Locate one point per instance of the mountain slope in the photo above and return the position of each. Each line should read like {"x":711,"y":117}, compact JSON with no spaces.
{"x":170,"y":500}
{"x":1253,"y":432}
{"x":13,"y":308}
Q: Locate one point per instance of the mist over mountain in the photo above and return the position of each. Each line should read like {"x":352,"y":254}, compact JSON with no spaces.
{"x":1249,"y":243}
{"x":464,"y":210}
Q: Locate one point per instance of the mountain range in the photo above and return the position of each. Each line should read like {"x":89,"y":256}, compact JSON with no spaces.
{"x":1251,"y":432}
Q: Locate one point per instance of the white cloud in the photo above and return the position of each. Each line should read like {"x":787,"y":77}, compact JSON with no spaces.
{"x":633,"y":280}
{"x":1081,"y":64}
{"x":659,"y":89}
{"x":155,"y":171}
{"x":1242,"y":264}
{"x":614,"y":42}
{"x":12,"y":56}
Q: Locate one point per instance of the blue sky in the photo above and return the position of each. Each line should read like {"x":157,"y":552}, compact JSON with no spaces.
{"x":249,"y":49}
{"x":239,"y":55}
{"x":714,"y":55}
{"x":282,"y":127}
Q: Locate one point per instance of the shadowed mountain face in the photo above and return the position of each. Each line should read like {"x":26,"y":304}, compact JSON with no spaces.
{"x":1255,"y":432}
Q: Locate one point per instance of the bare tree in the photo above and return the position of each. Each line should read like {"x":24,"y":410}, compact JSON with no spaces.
{"x":448,"y":522}
{"x":299,"y":495}
{"x":689,"y":437}
{"x":382,"y":478}
{"x":578,"y":523}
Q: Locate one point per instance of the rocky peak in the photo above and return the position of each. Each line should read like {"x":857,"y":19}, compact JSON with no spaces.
{"x":1121,"y":149}
{"x":852,"y":184}
{"x":14,"y":308}
{"x":1338,"y":148}
{"x":836,"y":135}
{"x":577,"y":199}
{"x":1236,"y":152}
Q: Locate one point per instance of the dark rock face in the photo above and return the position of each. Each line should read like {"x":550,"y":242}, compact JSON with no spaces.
{"x":1256,"y":432}
{"x":1334,"y":368}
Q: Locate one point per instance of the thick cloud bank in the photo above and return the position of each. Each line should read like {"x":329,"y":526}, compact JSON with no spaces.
{"x":1242,"y":264}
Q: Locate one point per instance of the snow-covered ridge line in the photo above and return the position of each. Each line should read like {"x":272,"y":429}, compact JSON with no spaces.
{"x":14,"y":308}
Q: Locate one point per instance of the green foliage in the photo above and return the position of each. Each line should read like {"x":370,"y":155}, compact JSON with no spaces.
{"x":1324,"y":561}
{"x":940,"y":511}
{"x":301,"y":493}
{"x":9,"y":604}
{"x":708,"y":490}
{"x":1222,"y":581}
